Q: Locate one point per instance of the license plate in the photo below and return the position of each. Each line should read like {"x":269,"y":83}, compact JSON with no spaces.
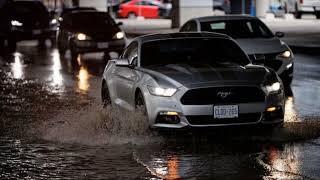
{"x":103,"y":45}
{"x":225,"y":111}
{"x":36,"y":32}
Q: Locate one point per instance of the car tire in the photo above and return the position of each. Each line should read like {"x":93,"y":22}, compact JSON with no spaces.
{"x":105,"y":95}
{"x":287,"y":80}
{"x":74,"y":55}
{"x":318,"y":14}
{"x":132,"y":15}
{"x":140,"y":103}
{"x":297,"y":14}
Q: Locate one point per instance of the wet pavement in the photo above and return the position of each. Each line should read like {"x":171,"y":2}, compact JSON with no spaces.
{"x":53,"y":126}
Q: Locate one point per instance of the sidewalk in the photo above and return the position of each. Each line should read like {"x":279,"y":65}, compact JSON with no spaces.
{"x":299,"y":34}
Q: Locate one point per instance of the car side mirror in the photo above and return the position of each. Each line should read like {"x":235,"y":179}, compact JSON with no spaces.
{"x":279,"y":34}
{"x":119,"y":23}
{"x":122,"y":63}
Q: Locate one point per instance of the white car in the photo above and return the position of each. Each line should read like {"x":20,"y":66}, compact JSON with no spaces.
{"x":299,"y":7}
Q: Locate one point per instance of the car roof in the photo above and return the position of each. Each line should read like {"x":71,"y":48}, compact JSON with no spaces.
{"x":155,"y":37}
{"x":222,"y":18}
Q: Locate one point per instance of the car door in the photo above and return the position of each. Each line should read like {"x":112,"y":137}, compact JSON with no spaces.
{"x":126,"y":77}
{"x":147,"y":9}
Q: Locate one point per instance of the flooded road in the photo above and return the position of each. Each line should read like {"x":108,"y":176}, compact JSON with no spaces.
{"x":53,"y":126}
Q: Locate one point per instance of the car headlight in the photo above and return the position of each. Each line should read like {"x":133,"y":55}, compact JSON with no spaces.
{"x":16,"y":23}
{"x":54,"y":21}
{"x":274,"y":87}
{"x":119,"y":35}
{"x":285,"y":54}
{"x":158,"y":91}
{"x":82,"y":37}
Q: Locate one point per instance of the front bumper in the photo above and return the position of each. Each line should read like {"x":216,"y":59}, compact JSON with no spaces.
{"x":199,"y":116}
{"x":98,"y":46}
{"x":283,"y":67}
{"x":21,"y":33}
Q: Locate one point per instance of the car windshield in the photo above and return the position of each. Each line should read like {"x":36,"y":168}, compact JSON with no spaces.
{"x":91,"y":20}
{"x":206,"y":51}
{"x":23,"y":8}
{"x":238,"y":28}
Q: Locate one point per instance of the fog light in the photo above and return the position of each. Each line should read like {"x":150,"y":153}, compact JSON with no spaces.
{"x":271,"y":109}
{"x":168,"y":117}
{"x":169,"y":113}
{"x":289,"y":65}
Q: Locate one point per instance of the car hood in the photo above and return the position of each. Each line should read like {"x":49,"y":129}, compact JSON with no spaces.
{"x":192,"y":76}
{"x":261,"y":45}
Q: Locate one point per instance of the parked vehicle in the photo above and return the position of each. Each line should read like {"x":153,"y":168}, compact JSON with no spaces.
{"x":254,"y":37}
{"x":89,"y":31}
{"x":30,"y":21}
{"x":299,"y":7}
{"x":144,"y":8}
{"x":223,"y":5}
{"x":7,"y":41}
{"x":193,"y":80}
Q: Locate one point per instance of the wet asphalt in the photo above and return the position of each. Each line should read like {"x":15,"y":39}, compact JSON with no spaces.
{"x":52,"y":125}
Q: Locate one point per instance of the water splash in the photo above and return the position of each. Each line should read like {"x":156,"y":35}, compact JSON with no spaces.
{"x":94,"y":125}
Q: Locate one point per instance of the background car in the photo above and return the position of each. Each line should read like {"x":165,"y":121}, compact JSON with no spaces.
{"x":30,"y":21}
{"x":56,"y":17}
{"x":144,"y":8}
{"x":299,"y":7}
{"x":223,"y":5}
{"x":254,"y":37}
{"x":89,"y":31}
{"x":7,"y":41}
{"x":193,"y":80}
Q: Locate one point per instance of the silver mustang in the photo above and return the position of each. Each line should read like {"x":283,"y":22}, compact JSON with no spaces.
{"x":193,"y":80}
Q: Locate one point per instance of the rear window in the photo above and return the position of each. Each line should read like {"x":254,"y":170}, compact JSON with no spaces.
{"x":204,"y":51}
{"x":238,"y":28}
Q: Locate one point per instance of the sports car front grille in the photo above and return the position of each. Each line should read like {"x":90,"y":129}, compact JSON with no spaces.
{"x":205,"y":120}
{"x":223,"y":95}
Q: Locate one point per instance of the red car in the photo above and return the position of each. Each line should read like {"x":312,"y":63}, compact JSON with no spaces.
{"x":144,"y":8}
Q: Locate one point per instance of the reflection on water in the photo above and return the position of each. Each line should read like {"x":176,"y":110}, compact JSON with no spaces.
{"x":165,"y":168}
{"x":173,"y":168}
{"x":17,"y":66}
{"x":284,"y":164}
{"x":290,"y":112}
{"x":56,"y":77}
{"x":83,"y":76}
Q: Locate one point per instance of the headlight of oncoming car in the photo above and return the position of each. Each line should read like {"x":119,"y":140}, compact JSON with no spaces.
{"x":274,"y":87}
{"x":159,"y":91}
{"x":119,"y":35}
{"x":286,"y":54}
{"x":16,"y":23}
{"x":82,"y":37}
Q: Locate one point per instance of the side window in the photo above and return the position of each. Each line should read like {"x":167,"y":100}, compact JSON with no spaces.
{"x":184,"y":28}
{"x":189,"y":26}
{"x":131,"y":52}
{"x":193,"y":26}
